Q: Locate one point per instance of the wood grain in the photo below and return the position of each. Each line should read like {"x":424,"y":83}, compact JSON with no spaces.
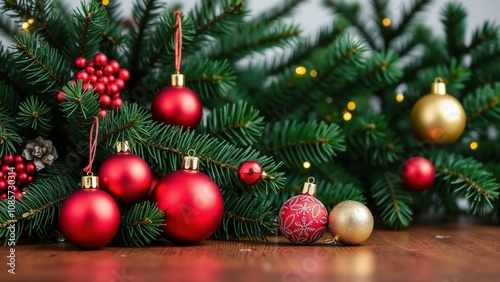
{"x":452,"y":252}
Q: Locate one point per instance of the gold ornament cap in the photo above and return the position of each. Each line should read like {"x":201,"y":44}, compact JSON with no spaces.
{"x":309,"y":188}
{"x":122,"y":147}
{"x":438,"y":86}
{"x":190,"y":162}
{"x":177,"y":79}
{"x":90,"y":182}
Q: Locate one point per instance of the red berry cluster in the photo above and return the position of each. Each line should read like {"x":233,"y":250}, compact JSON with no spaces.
{"x":105,"y":77}
{"x":15,"y":175}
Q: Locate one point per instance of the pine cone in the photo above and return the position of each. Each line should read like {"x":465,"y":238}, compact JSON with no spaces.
{"x":41,"y":152}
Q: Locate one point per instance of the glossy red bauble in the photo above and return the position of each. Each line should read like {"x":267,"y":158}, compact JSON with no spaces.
{"x":30,"y":168}
{"x":89,"y":218}
{"x":154,"y":181}
{"x":9,"y":159}
{"x":303,"y":219}
{"x":114,"y":65}
{"x":105,"y":101}
{"x":417,"y":174}
{"x":100,"y":60}
{"x":80,"y":63}
{"x":250,"y":172}
{"x":192,"y":204}
{"x":117,"y":103}
{"x":177,"y":106}
{"x":126,"y":177}
{"x":124,"y":74}
{"x":103,"y":113}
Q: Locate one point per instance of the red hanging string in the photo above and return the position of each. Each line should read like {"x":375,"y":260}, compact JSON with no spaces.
{"x":178,"y":42}
{"x":92,"y":144}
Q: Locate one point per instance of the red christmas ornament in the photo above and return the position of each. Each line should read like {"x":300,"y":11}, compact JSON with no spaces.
{"x":80,"y":63}
{"x":89,"y":218}
{"x":100,"y":60}
{"x":417,"y":174}
{"x":125,"y":176}
{"x":250,"y":172}
{"x":191,"y":201}
{"x":177,"y":105}
{"x":303,"y":218}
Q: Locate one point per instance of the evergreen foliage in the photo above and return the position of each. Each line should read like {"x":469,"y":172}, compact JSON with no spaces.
{"x":272,"y":94}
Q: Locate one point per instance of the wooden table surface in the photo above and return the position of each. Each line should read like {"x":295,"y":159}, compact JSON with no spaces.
{"x":451,"y":252}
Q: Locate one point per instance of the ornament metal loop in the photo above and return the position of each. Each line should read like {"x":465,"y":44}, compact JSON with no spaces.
{"x":309,"y":188}
{"x":438,"y":79}
{"x":90,"y":173}
{"x":191,"y":152}
{"x":190,"y":162}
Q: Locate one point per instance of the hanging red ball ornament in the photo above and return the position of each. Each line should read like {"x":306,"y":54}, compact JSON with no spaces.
{"x":80,"y":63}
{"x":100,"y":60}
{"x":177,"y":105}
{"x":417,"y":174}
{"x":191,"y":201}
{"x":303,"y":218}
{"x":125,"y":176}
{"x":250,"y":172}
{"x":89,"y":218}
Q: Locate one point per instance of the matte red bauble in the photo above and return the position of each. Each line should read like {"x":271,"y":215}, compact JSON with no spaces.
{"x":125,"y":176}
{"x":154,"y":181}
{"x":177,"y":105}
{"x":417,"y":174}
{"x":192,"y":203}
{"x":250,"y":172}
{"x":89,"y":218}
{"x":303,"y":218}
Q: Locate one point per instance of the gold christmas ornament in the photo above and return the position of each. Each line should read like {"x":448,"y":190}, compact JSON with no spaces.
{"x":350,"y":222}
{"x":438,"y":117}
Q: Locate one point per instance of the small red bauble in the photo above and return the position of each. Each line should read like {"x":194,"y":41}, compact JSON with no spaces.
{"x":93,"y":78}
{"x":125,"y":176}
{"x":105,"y":101}
{"x":98,"y":73}
{"x":103,"y":113}
{"x":124,"y":74}
{"x":9,"y":159}
{"x":19,"y":159}
{"x":192,"y":203}
{"x":89,"y":218}
{"x":90,"y":70}
{"x":82,"y":75}
{"x":250,"y":172}
{"x":104,"y":80}
{"x":80,"y":63}
{"x":60,"y":97}
{"x":114,"y":65}
{"x":100,"y":87}
{"x":112,"y":89}
{"x":3,"y":185}
{"x":30,"y":168}
{"x":23,"y":177}
{"x":303,"y":218}
{"x":100,"y":60}
{"x":108,"y":70}
{"x":177,"y":106}
{"x":20,"y":167}
{"x":117,"y":103}
{"x":120,"y":83}
{"x":417,"y":174}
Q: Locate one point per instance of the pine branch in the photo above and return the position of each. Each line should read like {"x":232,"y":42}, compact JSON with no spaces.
{"x":295,"y":142}
{"x":408,"y":16}
{"x":9,"y":138}
{"x":276,"y":13}
{"x":35,"y":115}
{"x":489,"y":33}
{"x":41,"y":65}
{"x":140,"y":225}
{"x":453,"y":17}
{"x":237,"y":123}
{"x":330,"y":195}
{"x":79,"y":108}
{"x":37,"y":211}
{"x":468,"y":178}
{"x":210,"y":79}
{"x":246,"y":41}
{"x":165,"y":146}
{"x":213,"y":19}
{"x":369,"y":137}
{"x":248,"y":217}
{"x":113,"y":10}
{"x":393,"y":201}
{"x":88,"y":23}
{"x":351,"y":12}
{"x":9,"y":99}
{"x":482,"y":108}
{"x":145,"y":12}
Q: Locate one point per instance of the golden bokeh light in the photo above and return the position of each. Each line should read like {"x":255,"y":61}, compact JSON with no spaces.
{"x":300,"y":70}
{"x":386,"y":22}
{"x":400,"y":97}
{"x":473,"y":145}
{"x":351,"y":106}
{"x":313,"y":73}
{"x":306,"y":165}
{"x":347,"y":116}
